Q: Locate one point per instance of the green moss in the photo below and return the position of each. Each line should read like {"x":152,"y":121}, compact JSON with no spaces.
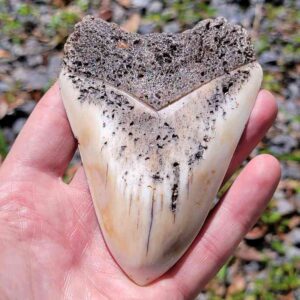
{"x":26,"y":9}
{"x":222,"y":274}
{"x":293,"y":156}
{"x":62,"y":23}
{"x":283,"y":227}
{"x":271,"y":217}
{"x":274,"y":12}
{"x":10,"y":26}
{"x":284,"y":277}
{"x":291,"y":49}
{"x":186,"y":12}
{"x":63,"y":19}
{"x":82,"y":4}
{"x":278,"y":246}
{"x":237,"y":296}
{"x":262,"y":44}
{"x":3,"y":145}
{"x":271,"y":83}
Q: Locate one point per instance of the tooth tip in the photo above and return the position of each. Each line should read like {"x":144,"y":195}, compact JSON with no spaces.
{"x":142,"y":278}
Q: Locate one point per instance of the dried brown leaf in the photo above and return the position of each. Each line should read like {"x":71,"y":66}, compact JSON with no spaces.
{"x":36,"y":95}
{"x":247,"y":253}
{"x":294,"y":222}
{"x":256,"y":232}
{"x":238,"y":285}
{"x":4,"y":54}
{"x":289,"y":296}
{"x":105,"y":11}
{"x":60,"y":3}
{"x":124,"y":3}
{"x":132,"y":24}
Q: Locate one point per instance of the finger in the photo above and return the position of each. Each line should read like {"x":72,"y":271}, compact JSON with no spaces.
{"x":46,"y":143}
{"x":227,"y":224}
{"x":261,"y":119}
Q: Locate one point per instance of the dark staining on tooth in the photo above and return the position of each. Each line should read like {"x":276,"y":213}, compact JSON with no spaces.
{"x":174,"y":190}
{"x":174,"y":197}
{"x":108,"y":66}
{"x":206,"y":139}
{"x":226,"y":87}
{"x":124,"y":177}
{"x":151,"y":223}
{"x":156,"y":177}
{"x":141,"y":180}
{"x":104,"y":144}
{"x":122,"y":149}
{"x":197,"y":154}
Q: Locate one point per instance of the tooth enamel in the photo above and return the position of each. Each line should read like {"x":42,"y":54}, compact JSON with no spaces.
{"x":156,"y":141}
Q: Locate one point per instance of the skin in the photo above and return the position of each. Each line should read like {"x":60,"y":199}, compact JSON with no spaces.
{"x":51,"y":246}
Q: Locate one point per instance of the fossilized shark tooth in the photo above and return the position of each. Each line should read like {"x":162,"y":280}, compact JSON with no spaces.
{"x":157,"y":118}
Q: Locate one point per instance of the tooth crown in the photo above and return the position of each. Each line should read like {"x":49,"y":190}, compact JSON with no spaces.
{"x":157,"y":118}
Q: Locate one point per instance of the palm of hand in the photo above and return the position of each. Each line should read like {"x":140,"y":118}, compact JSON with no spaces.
{"x":51,"y":246}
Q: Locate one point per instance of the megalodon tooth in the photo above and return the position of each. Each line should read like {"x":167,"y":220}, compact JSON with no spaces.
{"x":157,"y":118}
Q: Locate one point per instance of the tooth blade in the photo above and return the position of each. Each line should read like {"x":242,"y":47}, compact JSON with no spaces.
{"x":154,"y":169}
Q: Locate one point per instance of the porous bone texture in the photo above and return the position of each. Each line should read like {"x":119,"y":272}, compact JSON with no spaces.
{"x":158,"y":69}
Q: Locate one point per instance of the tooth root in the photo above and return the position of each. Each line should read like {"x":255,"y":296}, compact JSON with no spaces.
{"x":153,"y":171}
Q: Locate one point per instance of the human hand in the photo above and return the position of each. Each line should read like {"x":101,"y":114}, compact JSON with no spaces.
{"x":51,"y":246}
